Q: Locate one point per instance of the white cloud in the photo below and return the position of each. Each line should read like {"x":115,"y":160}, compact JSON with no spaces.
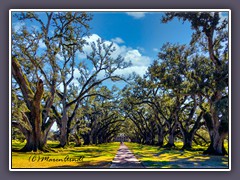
{"x":120,"y":50}
{"x":117,"y":40}
{"x":76,"y":74}
{"x":87,"y":47}
{"x":140,"y":70}
{"x":58,"y":56}
{"x":41,"y":44}
{"x":155,"y":49}
{"x":139,"y":65}
{"x":93,"y":38}
{"x":136,"y":58}
{"x":81,"y":55}
{"x":139,"y":62}
{"x":17,"y":26}
{"x":136,"y":15}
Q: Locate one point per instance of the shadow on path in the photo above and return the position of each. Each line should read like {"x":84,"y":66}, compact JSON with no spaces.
{"x":125,"y":159}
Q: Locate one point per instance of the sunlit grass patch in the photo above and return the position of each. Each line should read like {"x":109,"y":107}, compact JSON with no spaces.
{"x":155,"y":157}
{"x":91,"y":156}
{"x":17,"y":144}
{"x":101,"y":156}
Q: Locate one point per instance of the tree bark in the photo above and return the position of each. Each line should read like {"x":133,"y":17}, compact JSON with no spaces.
{"x":170,"y":142}
{"x":36,"y":139}
{"x":187,"y":141}
{"x":63,"y":130}
{"x":94,"y":139}
{"x":188,"y":136}
{"x":160,"y":137}
{"x":216,"y":146}
{"x":217,"y":135}
{"x":38,"y":130}
{"x":217,"y":130}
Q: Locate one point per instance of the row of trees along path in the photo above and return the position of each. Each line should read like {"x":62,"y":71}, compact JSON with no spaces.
{"x":184,"y":91}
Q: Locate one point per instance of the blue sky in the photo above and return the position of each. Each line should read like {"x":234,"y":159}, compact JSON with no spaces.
{"x":142,"y":32}
{"x":145,"y":32}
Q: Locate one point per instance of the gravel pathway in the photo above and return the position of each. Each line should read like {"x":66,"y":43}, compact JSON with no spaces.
{"x":125,"y":159}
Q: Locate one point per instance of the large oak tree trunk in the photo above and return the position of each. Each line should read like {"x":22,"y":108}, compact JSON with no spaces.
{"x":160,"y":136}
{"x":217,"y":130}
{"x":187,"y":141}
{"x":217,"y":134}
{"x":216,"y":146}
{"x":189,"y":135}
{"x":37,"y":130}
{"x":36,"y":140}
{"x":170,"y":142}
{"x":63,"y":138}
{"x":34,"y":143}
{"x":36,"y":136}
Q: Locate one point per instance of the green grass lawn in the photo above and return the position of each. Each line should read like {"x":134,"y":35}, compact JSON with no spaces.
{"x":92,"y":156}
{"x":101,"y":156}
{"x":155,"y":157}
